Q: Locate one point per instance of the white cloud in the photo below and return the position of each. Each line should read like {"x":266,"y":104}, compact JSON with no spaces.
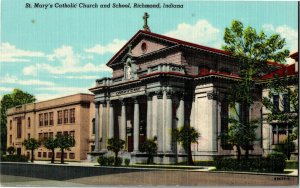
{"x":6,"y":89}
{"x":202,"y":32}
{"x":290,"y":35}
{"x":10,"y":79}
{"x":10,"y":53}
{"x":112,"y":47}
{"x":69,"y":62}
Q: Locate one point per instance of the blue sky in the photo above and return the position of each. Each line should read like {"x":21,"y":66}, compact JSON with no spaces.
{"x":56,"y":52}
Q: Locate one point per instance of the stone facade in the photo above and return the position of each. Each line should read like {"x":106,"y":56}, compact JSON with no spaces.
{"x":159,"y":84}
{"x":66,"y":115}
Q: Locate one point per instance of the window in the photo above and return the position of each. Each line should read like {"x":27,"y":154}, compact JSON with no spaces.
{"x":72,"y":115}
{"x":286,"y":102}
{"x":40,"y":136}
{"x":59,"y":117}
{"x":46,"y":119}
{"x":49,"y":154}
{"x":19,"y":127}
{"x":45,"y":154}
{"x":10,"y":139}
{"x":45,"y":136}
{"x":276,"y":103}
{"x":50,"y":134}
{"x":72,"y":134}
{"x":93,"y":124}
{"x":41,"y":120}
{"x":66,"y":116}
{"x":28,"y":122}
{"x":58,"y":133}
{"x":39,"y":154}
{"x":51,"y":118}
{"x":28,"y":136}
{"x":280,"y":133}
{"x":65,"y":133}
{"x":10,"y":124}
{"x":65,"y":155}
{"x":71,"y":156}
{"x":58,"y":154}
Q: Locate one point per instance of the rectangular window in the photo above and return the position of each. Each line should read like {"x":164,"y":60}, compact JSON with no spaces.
{"x":65,"y":133}
{"x":28,"y":121}
{"x":71,"y":156}
{"x":280,"y":133}
{"x":45,"y":136}
{"x":66,"y":116}
{"x":46,"y":118}
{"x":58,"y":133}
{"x":59,"y":117}
{"x":41,"y":120}
{"x":50,"y":134}
{"x":65,"y":155}
{"x":58,"y":154}
{"x":40,"y":136}
{"x":10,"y":124}
{"x":93,"y":124}
{"x":72,"y":134}
{"x":45,"y":154}
{"x":72,"y":115}
{"x":39,"y":154}
{"x":19,"y":127}
{"x":10,"y":139}
{"x":49,"y":154}
{"x":276,"y":103}
{"x":28,"y":136}
{"x":286,"y":103}
{"x":51,"y":118}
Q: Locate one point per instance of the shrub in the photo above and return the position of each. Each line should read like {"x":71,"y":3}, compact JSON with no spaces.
{"x":277,"y":161}
{"x":14,"y":158}
{"x":11,"y":150}
{"x":127,"y":162}
{"x":119,"y":161}
{"x":110,"y":160}
{"x":103,"y":161}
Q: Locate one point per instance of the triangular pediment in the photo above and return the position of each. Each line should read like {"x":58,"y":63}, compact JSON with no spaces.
{"x":140,"y":44}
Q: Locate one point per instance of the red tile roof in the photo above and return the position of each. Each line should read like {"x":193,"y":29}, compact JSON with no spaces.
{"x":287,"y":70}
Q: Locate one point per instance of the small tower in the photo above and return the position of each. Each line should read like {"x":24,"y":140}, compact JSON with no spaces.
{"x":145,"y":18}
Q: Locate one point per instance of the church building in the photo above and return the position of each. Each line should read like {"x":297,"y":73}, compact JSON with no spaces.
{"x":159,"y":84}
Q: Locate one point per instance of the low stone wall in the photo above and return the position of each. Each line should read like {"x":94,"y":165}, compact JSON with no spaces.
{"x":58,"y":171}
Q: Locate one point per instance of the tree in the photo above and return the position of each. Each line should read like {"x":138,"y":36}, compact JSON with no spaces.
{"x":31,"y":144}
{"x":286,"y":111}
{"x":252,"y":51}
{"x":11,"y":150}
{"x":150,"y":147}
{"x":17,"y":97}
{"x":115,"y":144}
{"x":187,"y":135}
{"x":51,"y":144}
{"x":64,"y":142}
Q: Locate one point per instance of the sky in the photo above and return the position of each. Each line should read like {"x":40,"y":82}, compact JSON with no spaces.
{"x":56,"y":52}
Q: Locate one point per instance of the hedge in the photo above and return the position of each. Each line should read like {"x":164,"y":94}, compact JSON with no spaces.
{"x":274,"y":162}
{"x":14,"y":158}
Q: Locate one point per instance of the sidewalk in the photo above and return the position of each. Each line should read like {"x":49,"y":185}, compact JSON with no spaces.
{"x":183,"y":168}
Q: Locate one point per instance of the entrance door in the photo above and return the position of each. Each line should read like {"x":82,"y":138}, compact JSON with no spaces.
{"x":18,"y":151}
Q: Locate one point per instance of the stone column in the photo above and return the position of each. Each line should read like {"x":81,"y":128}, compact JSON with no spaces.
{"x":104,"y":127}
{"x":180,"y":116}
{"x":168,"y":126}
{"x":111,"y":120}
{"x":159,"y":120}
{"x":136,"y":126}
{"x":154,"y":116}
{"x":97,"y":127}
{"x":149,"y":117}
{"x":122,"y":128}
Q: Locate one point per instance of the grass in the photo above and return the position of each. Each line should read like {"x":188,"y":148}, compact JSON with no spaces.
{"x":292,"y":165}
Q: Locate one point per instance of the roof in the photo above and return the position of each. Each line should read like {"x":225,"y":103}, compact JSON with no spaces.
{"x":295,"y":56}
{"x":287,"y":70}
{"x":169,"y":39}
